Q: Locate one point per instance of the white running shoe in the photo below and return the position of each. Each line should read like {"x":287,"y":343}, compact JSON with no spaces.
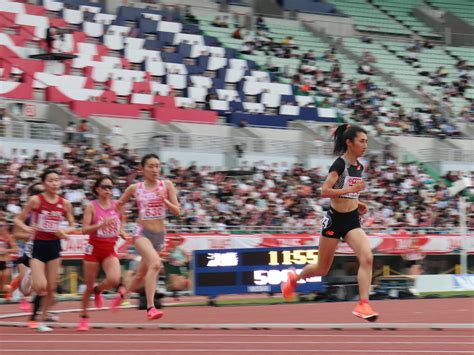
{"x":51,"y":317}
{"x":43,"y":328}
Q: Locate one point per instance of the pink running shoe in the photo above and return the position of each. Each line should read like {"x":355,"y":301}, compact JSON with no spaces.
{"x":153,"y":314}
{"x":98,"y":300}
{"x":25,"y":306}
{"x":83,"y":325}
{"x":117,"y":301}
{"x":288,"y":288}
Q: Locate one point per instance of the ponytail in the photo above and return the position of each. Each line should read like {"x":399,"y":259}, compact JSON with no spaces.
{"x":343,"y":133}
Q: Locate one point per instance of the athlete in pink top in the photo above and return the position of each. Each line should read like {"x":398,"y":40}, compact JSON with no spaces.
{"x":103,"y":224}
{"x":154,"y":197}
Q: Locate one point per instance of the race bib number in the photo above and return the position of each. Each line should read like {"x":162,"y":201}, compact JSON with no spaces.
{"x":89,"y":249}
{"x":153,"y":210}
{"x":49,"y":221}
{"x":351,"y":181}
{"x":326,"y":222}
{"x":109,"y":231}
{"x":28,"y":248}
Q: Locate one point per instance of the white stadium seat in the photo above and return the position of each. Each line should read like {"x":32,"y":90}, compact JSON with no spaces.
{"x":219,"y":105}
{"x":184,"y":102}
{"x":93,"y":9}
{"x":106,"y":19}
{"x":197,"y":94}
{"x":93,"y":29}
{"x":165,"y":26}
{"x":177,"y":81}
{"x":270,"y":100}
{"x":174,"y":68}
{"x":234,"y":75}
{"x":230,"y":95}
{"x":160,"y":89}
{"x":188,"y":38}
{"x":144,"y":99}
{"x":73,"y":17}
{"x":254,"y":107}
{"x":155,"y":68}
{"x":201,"y":81}
{"x":289,"y":110}
{"x":122,"y":87}
{"x":154,"y":17}
{"x":304,"y":100}
{"x":114,"y":42}
{"x":216,"y":63}
{"x":51,"y":5}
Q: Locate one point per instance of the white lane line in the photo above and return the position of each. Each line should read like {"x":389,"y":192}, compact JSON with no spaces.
{"x":60,"y":311}
{"x":220,"y":326}
{"x":154,"y":335}
{"x":227,"y":342}
{"x":365,"y":351}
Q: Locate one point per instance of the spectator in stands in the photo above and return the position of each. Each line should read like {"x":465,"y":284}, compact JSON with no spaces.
{"x":216,"y":22}
{"x":189,"y":17}
{"x":84,"y":131}
{"x":330,"y":55}
{"x":415,"y":47}
{"x":289,"y":42}
{"x":427,"y":45}
{"x":368,"y":57}
{"x":246,"y":48}
{"x":411,"y":57}
{"x":237,"y":34}
{"x":365,"y":69}
{"x":221,"y":21}
{"x":70,"y":131}
{"x":5,"y":122}
{"x":309,"y":55}
{"x":50,"y":37}
{"x":260,"y":23}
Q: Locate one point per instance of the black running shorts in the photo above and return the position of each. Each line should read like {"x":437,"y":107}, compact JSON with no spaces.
{"x":46,"y":250}
{"x":337,"y":224}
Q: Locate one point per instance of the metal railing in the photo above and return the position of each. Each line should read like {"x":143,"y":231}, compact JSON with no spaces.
{"x":171,"y":228}
{"x":208,"y":143}
{"x":27,"y":130}
{"x":454,"y":155}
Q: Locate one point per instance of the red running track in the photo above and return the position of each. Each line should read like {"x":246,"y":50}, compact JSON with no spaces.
{"x":274,"y":341}
{"x":24,"y":341}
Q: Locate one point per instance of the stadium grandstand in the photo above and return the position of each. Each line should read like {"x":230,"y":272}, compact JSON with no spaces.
{"x":240,"y":100}
{"x":228,"y":90}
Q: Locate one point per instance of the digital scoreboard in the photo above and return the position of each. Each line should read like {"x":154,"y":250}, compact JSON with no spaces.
{"x":259,"y":270}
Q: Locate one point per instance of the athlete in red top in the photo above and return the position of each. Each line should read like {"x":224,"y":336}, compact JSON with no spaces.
{"x":104,"y":225}
{"x":48,"y":211}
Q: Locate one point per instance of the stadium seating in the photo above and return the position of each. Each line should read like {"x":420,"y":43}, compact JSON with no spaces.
{"x":368,"y":18}
{"x":150,"y":63}
{"x":460,"y":8}
{"x":134,"y":66}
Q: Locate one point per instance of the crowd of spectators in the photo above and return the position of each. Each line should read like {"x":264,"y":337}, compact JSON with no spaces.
{"x":369,"y":104}
{"x":260,"y":196}
{"x":361,"y":98}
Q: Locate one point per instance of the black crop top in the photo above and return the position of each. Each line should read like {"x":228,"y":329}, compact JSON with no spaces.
{"x":349,"y":175}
